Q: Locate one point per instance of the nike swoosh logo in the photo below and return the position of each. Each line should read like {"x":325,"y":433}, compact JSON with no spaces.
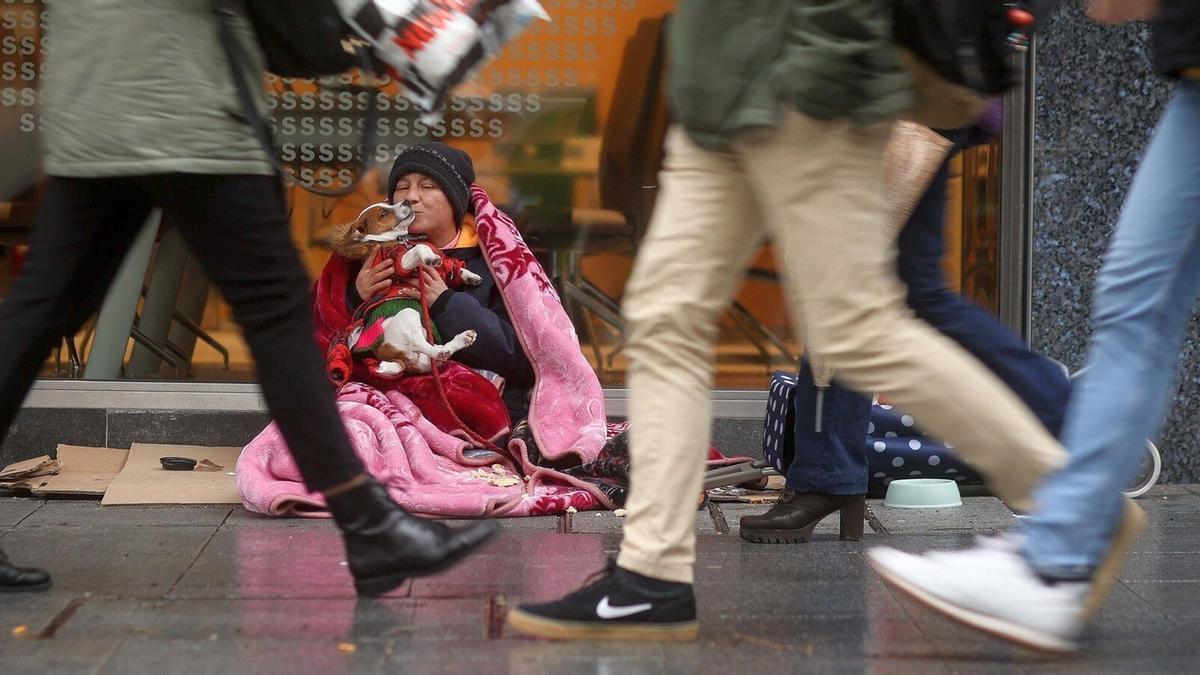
{"x":607,"y":611}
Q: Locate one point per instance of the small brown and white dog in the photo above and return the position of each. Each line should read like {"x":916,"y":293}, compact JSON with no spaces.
{"x":393,"y":330}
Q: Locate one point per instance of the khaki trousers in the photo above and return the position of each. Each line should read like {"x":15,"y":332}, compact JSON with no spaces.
{"x":815,"y":187}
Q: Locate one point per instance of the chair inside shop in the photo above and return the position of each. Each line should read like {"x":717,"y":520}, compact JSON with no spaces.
{"x":630,"y":155}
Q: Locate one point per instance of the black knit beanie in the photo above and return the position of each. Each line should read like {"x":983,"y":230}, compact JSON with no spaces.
{"x":450,"y":167}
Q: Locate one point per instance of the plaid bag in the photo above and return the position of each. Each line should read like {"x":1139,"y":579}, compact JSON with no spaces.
{"x":431,"y":46}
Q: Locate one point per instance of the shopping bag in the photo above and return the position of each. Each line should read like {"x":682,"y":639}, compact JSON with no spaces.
{"x":431,"y":46}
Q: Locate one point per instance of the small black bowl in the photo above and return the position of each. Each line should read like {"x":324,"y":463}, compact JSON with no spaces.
{"x":177,"y":463}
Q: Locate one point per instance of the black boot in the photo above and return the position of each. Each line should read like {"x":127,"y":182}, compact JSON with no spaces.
{"x":15,"y":579}
{"x":792,"y":519}
{"x":386,"y":545}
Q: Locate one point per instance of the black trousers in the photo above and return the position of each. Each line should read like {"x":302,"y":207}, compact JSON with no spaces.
{"x":237,"y":227}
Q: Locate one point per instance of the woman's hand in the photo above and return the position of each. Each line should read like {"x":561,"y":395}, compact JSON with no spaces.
{"x":434,"y":285}
{"x":373,"y":279}
{"x":1114,"y":12}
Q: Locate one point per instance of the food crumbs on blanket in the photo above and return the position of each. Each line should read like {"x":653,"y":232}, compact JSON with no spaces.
{"x":20,"y":631}
{"x":347,"y":647}
{"x":498,"y":468}
{"x":620,"y":513}
{"x":572,"y":509}
{"x":499,"y":478}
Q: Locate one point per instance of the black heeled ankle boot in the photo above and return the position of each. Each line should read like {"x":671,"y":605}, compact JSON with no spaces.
{"x":792,"y":519}
{"x":15,"y":579}
{"x":386,"y":545}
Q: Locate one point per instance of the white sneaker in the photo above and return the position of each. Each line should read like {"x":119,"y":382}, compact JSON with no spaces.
{"x":1004,"y":541}
{"x":990,"y":588}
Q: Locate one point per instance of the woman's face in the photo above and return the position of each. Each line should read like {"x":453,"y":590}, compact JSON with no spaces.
{"x":434,"y":216}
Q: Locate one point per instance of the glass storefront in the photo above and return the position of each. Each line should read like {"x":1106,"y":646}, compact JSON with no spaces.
{"x":565,"y":130}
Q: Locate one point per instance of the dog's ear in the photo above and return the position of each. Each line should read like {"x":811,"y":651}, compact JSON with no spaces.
{"x":347,"y":242}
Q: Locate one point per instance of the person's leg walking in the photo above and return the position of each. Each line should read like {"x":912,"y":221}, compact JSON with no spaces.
{"x":843,"y":286}
{"x":83,"y":230}
{"x":704,"y":230}
{"x":1040,"y":591}
{"x":825,"y":467}
{"x":1039,"y":382}
{"x":1143,"y":302}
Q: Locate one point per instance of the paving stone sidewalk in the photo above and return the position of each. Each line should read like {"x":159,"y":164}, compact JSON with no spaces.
{"x":220,"y":590}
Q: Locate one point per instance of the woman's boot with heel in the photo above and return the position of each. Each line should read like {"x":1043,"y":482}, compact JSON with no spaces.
{"x":792,"y":519}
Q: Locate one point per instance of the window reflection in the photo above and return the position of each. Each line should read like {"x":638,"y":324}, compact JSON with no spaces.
{"x":565,"y":130}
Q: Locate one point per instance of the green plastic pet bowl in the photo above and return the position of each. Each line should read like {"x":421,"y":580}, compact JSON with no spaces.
{"x":922,"y":493}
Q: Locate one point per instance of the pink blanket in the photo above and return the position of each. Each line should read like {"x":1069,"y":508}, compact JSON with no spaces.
{"x":428,"y":471}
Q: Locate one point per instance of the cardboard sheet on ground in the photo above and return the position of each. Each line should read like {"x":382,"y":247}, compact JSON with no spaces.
{"x":17,"y":474}
{"x":144,"y":481}
{"x":83,"y":472}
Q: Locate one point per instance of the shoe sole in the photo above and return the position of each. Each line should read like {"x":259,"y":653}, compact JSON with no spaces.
{"x":26,"y":589}
{"x":760,"y":536}
{"x":375,"y":586}
{"x":1130,"y":528}
{"x":1005,"y":630}
{"x":550,"y":629}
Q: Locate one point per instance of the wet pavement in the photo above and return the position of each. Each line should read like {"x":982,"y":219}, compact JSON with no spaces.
{"x":217,"y":589}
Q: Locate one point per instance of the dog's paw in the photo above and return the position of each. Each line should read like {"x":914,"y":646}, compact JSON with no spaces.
{"x":389,"y":368}
{"x":441,"y":355}
{"x":431,"y":260}
{"x":468,"y":337}
{"x":470,"y":278}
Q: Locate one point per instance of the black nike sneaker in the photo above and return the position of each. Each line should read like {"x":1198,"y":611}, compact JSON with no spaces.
{"x":615,"y":605}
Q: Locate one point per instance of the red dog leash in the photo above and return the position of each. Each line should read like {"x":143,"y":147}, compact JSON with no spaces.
{"x":367,"y":306}
{"x":437,"y":377}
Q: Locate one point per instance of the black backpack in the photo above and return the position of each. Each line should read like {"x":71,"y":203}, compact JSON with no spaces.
{"x":968,"y":42}
{"x":303,"y":39}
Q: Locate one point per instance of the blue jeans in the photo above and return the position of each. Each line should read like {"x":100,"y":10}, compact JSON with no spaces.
{"x":1036,"y":380}
{"x":834,"y":466}
{"x":834,"y":460}
{"x":1143,"y":301}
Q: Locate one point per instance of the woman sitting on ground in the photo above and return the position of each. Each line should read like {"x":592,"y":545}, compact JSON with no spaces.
{"x":435,"y":179}
{"x":445,"y":443}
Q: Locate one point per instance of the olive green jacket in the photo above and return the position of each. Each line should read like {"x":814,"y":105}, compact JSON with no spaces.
{"x":734,"y":65}
{"x":135,"y":87}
